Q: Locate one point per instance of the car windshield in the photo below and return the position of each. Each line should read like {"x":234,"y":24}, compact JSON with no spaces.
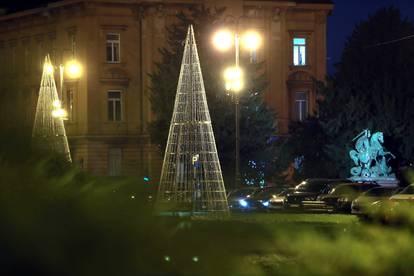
{"x":285,"y":192}
{"x":381,"y":191}
{"x":352,"y":188}
{"x":408,"y":190}
{"x":344,"y":189}
{"x":310,"y":186}
{"x":267,"y":192}
{"x":242,"y":192}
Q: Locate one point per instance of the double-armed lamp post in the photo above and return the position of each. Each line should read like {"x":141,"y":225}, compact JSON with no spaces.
{"x":224,"y":40}
{"x":73,"y":70}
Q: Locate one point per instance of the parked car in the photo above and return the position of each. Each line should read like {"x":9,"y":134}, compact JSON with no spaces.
{"x":236,"y":198}
{"x":361,"y":205}
{"x":398,"y":209}
{"x":260,"y":200}
{"x":406,"y":195}
{"x":340,"y":198}
{"x":308,"y":190}
{"x":277,"y":202}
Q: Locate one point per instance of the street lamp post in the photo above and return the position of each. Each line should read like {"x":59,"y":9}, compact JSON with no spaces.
{"x":224,"y":40}
{"x":73,"y":70}
{"x":237,"y":111}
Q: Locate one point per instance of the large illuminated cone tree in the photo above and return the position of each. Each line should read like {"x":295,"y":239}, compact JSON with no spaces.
{"x":48,"y":129}
{"x":191,"y":178}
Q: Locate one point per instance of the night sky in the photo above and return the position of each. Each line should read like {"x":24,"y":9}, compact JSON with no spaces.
{"x":340,"y":24}
{"x":347,"y":13}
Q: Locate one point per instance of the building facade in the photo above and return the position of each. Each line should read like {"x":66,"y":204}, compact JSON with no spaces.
{"x":117,"y":44}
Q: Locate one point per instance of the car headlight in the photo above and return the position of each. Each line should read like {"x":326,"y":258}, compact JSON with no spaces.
{"x":265,"y":203}
{"x":343,"y":199}
{"x":243,"y":203}
{"x":278,"y":199}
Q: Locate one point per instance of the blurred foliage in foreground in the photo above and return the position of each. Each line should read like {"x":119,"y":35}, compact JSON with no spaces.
{"x":64,"y":222}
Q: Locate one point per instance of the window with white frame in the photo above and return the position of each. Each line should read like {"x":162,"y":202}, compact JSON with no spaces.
{"x":113,"y":47}
{"x":114,"y":106}
{"x":300,"y":106}
{"x":299,"y":51}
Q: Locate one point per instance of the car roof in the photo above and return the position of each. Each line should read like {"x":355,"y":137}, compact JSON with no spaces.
{"x":325,"y":180}
{"x":385,"y":188}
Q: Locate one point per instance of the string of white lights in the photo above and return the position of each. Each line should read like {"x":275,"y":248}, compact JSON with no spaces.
{"x":191,"y":175}
{"x":48,"y":129}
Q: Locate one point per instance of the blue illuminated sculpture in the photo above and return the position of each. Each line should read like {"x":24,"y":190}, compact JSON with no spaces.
{"x":370,"y":158}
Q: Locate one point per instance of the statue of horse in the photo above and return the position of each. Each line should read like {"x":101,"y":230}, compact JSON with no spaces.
{"x":369,"y":156}
{"x":384,"y":169}
{"x":361,"y":155}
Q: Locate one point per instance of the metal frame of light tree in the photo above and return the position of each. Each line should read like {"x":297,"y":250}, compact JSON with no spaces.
{"x":191,"y":177}
{"x":48,"y":129}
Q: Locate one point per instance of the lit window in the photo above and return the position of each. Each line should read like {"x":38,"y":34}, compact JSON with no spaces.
{"x":114,"y":106}
{"x":113,"y":43}
{"x":299,"y":51}
{"x":301,"y":106}
{"x":114,"y":161}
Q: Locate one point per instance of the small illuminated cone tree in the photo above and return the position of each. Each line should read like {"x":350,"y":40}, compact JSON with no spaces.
{"x":191,"y":178}
{"x":48,"y":129}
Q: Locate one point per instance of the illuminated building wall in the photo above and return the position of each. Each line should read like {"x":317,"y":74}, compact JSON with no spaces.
{"x":117,"y":43}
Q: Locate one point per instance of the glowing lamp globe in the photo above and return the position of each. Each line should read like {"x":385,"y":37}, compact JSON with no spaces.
{"x":48,"y":68}
{"x":223,"y":40}
{"x":73,"y":69}
{"x":237,"y":86}
{"x":251,"y":40}
{"x":233,"y":77}
{"x":56,"y":104}
{"x":232,"y":73}
{"x":59,"y":113}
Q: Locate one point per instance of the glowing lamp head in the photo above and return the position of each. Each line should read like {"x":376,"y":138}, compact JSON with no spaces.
{"x":234,"y":79}
{"x":59,"y":113}
{"x":237,"y":86}
{"x":73,"y":69}
{"x":56,"y":104}
{"x":251,"y":40}
{"x":232,"y":73}
{"x":223,"y":40}
{"x":48,"y":68}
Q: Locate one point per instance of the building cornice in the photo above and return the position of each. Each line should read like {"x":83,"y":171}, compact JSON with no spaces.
{"x":66,"y":3}
{"x":258,"y":3}
{"x":289,"y":4}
